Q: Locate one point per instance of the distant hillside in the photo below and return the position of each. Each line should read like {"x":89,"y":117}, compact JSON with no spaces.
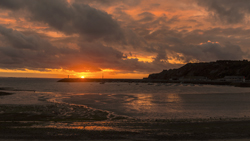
{"x":211,"y":70}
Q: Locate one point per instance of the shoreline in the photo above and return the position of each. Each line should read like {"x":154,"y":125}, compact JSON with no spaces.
{"x":207,"y":82}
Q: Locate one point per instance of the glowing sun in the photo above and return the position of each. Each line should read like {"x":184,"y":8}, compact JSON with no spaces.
{"x":82,"y":76}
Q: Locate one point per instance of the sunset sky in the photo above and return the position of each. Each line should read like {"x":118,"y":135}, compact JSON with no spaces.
{"x":118,"y":38}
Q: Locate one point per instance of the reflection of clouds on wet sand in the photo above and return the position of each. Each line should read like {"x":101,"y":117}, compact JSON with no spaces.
{"x":154,"y":105}
{"x":173,"y":98}
{"x":141,"y":103}
{"x":30,"y":98}
{"x":172,"y":102}
{"x":22,"y":97}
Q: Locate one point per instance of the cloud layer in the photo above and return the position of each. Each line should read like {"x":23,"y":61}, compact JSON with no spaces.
{"x":125,"y":36}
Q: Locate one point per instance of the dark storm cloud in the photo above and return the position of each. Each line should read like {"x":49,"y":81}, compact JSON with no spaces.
{"x":237,"y":36}
{"x":187,"y":43}
{"x":210,"y":51}
{"x":165,"y":35}
{"x":36,"y":53}
{"x":19,"y":51}
{"x":75,"y":18}
{"x":161,"y":55}
{"x":141,"y":37}
{"x":111,"y":2}
{"x":228,"y":11}
{"x":11,"y":4}
{"x":20,"y":41}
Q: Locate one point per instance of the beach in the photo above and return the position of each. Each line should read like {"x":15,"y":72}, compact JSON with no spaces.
{"x":32,"y":123}
{"x":124,"y":70}
{"x":27,"y":114}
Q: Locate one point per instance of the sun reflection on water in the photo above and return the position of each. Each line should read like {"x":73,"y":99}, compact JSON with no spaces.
{"x":142,"y":102}
{"x":154,"y":105}
{"x":100,"y":126}
{"x":173,"y":98}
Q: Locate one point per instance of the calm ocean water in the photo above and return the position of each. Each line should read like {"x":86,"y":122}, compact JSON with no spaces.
{"x":159,"y":101}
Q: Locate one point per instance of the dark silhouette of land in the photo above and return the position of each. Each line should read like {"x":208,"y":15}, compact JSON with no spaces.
{"x":221,"y":72}
{"x":210,"y":70}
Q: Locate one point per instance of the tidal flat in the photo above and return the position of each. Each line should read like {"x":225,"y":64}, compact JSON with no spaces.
{"x":72,"y":122}
{"x":30,"y":115}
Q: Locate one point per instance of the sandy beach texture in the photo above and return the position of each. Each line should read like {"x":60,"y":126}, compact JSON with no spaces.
{"x":27,"y":115}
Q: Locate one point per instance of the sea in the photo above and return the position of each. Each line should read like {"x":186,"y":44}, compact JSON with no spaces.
{"x":136,"y":100}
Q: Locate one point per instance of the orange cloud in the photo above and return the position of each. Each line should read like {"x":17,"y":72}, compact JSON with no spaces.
{"x":133,"y":39}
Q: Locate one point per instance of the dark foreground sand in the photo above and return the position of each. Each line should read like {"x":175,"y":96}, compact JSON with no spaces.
{"x":57,"y":121}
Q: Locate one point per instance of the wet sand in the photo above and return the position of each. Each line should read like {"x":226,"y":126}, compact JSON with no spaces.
{"x":135,"y":131}
{"x":21,"y":123}
{"x":60,"y":121}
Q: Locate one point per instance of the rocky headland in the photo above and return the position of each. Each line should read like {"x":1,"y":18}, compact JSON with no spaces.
{"x":209,"y":70}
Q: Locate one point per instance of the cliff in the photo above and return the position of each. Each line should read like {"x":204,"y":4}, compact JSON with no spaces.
{"x":210,"y":70}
